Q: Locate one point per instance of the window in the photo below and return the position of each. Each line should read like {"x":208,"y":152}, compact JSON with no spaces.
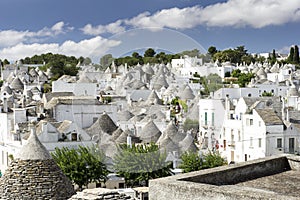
{"x":213,"y":119}
{"x":251,"y":122}
{"x":279,"y":142}
{"x":205,"y":118}
{"x":259,"y":142}
{"x":247,"y":122}
{"x":74,"y":136}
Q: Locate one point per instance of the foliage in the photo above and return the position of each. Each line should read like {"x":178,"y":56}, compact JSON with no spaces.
{"x":5,"y":62}
{"x":211,"y":83}
{"x":149,"y":53}
{"x":191,"y":53}
{"x":193,"y":161}
{"x":243,"y":78}
{"x":58,"y":64}
{"x":190,"y":124}
{"x":212,"y":50}
{"x":105,"y":61}
{"x":47,"y":88}
{"x":83,"y":165}
{"x":150,"y":56}
{"x":140,"y":163}
{"x":267,"y":94}
{"x":213,"y":159}
{"x":1,"y":83}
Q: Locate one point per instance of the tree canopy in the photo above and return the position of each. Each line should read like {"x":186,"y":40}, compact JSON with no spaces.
{"x":83,"y":165}
{"x":140,"y":163}
{"x":194,"y":161}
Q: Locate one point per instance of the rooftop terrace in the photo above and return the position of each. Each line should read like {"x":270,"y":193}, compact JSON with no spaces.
{"x":269,"y":178}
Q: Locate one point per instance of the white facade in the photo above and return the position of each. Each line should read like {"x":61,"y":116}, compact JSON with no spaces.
{"x":211,"y":117}
{"x":79,"y":89}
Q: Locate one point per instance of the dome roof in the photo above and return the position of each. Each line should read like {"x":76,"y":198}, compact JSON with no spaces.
{"x":187,"y":93}
{"x":187,"y":144}
{"x":150,"y":133}
{"x":124,"y":115}
{"x":104,"y":123}
{"x":17,"y":84}
{"x":34,"y":175}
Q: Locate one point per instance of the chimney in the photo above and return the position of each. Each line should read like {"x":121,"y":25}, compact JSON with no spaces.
{"x":287,"y":115}
{"x":282,"y":109}
{"x":5,"y":107}
{"x":129,"y":141}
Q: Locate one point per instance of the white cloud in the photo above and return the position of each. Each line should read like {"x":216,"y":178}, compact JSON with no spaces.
{"x":254,"y":13}
{"x":12,"y":37}
{"x":114,"y":27}
{"x":236,"y":13}
{"x":93,"y":48}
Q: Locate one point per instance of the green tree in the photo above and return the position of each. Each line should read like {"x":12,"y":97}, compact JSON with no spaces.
{"x":140,"y":163}
{"x":213,"y":159}
{"x":243,"y":78}
{"x":5,"y":62}
{"x":191,"y":53}
{"x":82,"y":166}
{"x":194,"y":161}
{"x":191,"y":161}
{"x":291,"y":55}
{"x":149,"y":53}
{"x":106,"y":60}
{"x":212,"y":50}
{"x":296,"y":55}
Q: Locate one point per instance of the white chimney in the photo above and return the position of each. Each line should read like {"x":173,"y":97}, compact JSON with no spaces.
{"x":129,"y":141}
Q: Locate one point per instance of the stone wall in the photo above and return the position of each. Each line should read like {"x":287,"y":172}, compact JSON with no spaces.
{"x":207,"y":184}
{"x":100,"y":193}
{"x":35,"y":179}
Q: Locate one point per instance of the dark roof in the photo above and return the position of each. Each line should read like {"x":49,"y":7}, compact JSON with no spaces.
{"x":269,"y":116}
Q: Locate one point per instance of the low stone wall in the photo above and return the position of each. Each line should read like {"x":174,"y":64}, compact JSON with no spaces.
{"x":216,"y":183}
{"x":100,"y":193}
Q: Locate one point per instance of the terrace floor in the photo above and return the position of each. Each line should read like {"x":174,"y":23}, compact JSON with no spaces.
{"x":285,"y":183}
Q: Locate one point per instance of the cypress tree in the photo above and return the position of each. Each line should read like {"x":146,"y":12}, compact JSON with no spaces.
{"x":291,"y":56}
{"x":296,"y":55}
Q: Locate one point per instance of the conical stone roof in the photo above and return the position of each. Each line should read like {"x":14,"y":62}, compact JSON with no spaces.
{"x":187,"y":93}
{"x":124,"y":115}
{"x":153,"y":99}
{"x":104,"y":123}
{"x":34,"y":175}
{"x":17,"y":84}
{"x":187,"y":144}
{"x":150,"y":133}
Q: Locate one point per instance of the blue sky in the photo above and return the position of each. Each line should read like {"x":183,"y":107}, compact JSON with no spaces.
{"x":92,"y":28}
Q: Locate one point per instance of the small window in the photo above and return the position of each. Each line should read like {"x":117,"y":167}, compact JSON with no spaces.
{"x":259,"y":142}
{"x":249,"y":95}
{"x":251,"y":122}
{"x":279,"y":142}
{"x":74,"y":136}
{"x":247,"y":122}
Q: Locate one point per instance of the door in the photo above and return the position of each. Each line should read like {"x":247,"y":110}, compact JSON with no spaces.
{"x":291,"y":145}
